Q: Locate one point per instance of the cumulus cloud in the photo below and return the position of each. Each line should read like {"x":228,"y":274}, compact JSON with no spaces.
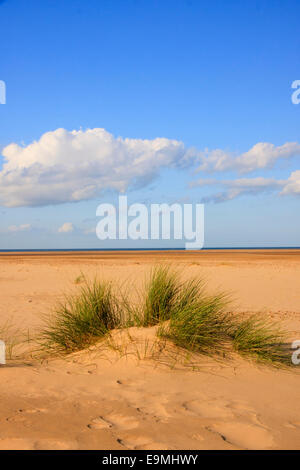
{"x":69,"y":166}
{"x":292,"y":185}
{"x":64,"y":166}
{"x":262,"y":155}
{"x":67,"y":227}
{"x":19,"y":228}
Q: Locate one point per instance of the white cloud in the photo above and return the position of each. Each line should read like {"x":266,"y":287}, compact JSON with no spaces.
{"x":19,"y":228}
{"x":292,"y":185}
{"x":241,"y":186}
{"x":67,"y":227}
{"x":262,"y":155}
{"x":66,"y":166}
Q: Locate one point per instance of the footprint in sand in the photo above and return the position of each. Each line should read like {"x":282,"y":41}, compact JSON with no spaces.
{"x":53,"y":444}
{"x":244,"y":435}
{"x":157,"y":408}
{"x":23,"y":416}
{"x":242,"y":409}
{"x":198,"y":437}
{"x":119,"y":421}
{"x":16,"y":419}
{"x":33,"y":410}
{"x":293,"y":425}
{"x":123,"y":422}
{"x":19,"y":419}
{"x":99,"y":423}
{"x":221,"y":409}
{"x":142,"y":443}
{"x":209,"y":409}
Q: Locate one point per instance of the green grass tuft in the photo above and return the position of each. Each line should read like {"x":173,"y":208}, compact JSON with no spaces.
{"x":81,"y":319}
{"x":160,"y":295}
{"x":189,"y":293}
{"x":259,"y":338}
{"x":199,"y":326}
{"x":79,"y":279}
{"x":185,"y":313}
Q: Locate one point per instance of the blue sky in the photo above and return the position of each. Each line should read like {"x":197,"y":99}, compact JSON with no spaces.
{"x":215,"y":76}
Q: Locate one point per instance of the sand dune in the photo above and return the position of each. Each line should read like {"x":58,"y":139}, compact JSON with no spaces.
{"x":101,"y":399}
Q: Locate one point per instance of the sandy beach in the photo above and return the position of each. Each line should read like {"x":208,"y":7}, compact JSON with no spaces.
{"x":125,"y":399}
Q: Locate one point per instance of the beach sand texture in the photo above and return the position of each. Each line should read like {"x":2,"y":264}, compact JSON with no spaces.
{"x":107,"y":399}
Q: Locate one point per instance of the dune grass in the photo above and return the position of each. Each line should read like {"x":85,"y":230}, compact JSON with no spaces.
{"x":15,"y":338}
{"x":199,"y":322}
{"x":160,"y":296}
{"x":199,"y":326}
{"x":185,"y":314}
{"x":189,"y":317}
{"x":259,"y":338}
{"x":82,"y":319}
{"x":79,"y":279}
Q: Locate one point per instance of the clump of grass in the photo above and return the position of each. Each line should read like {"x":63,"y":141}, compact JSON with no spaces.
{"x":185,"y":314}
{"x":14,"y":339}
{"x":81,"y":319}
{"x":189,"y":293}
{"x":79,"y":279}
{"x":161,"y":294}
{"x":200,"y":325}
{"x":259,"y":338}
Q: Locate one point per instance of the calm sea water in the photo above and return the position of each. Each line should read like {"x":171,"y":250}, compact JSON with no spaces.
{"x":149,"y":249}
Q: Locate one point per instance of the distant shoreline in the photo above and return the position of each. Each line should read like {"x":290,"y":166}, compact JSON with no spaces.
{"x":156,"y":255}
{"x":116,"y":250}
